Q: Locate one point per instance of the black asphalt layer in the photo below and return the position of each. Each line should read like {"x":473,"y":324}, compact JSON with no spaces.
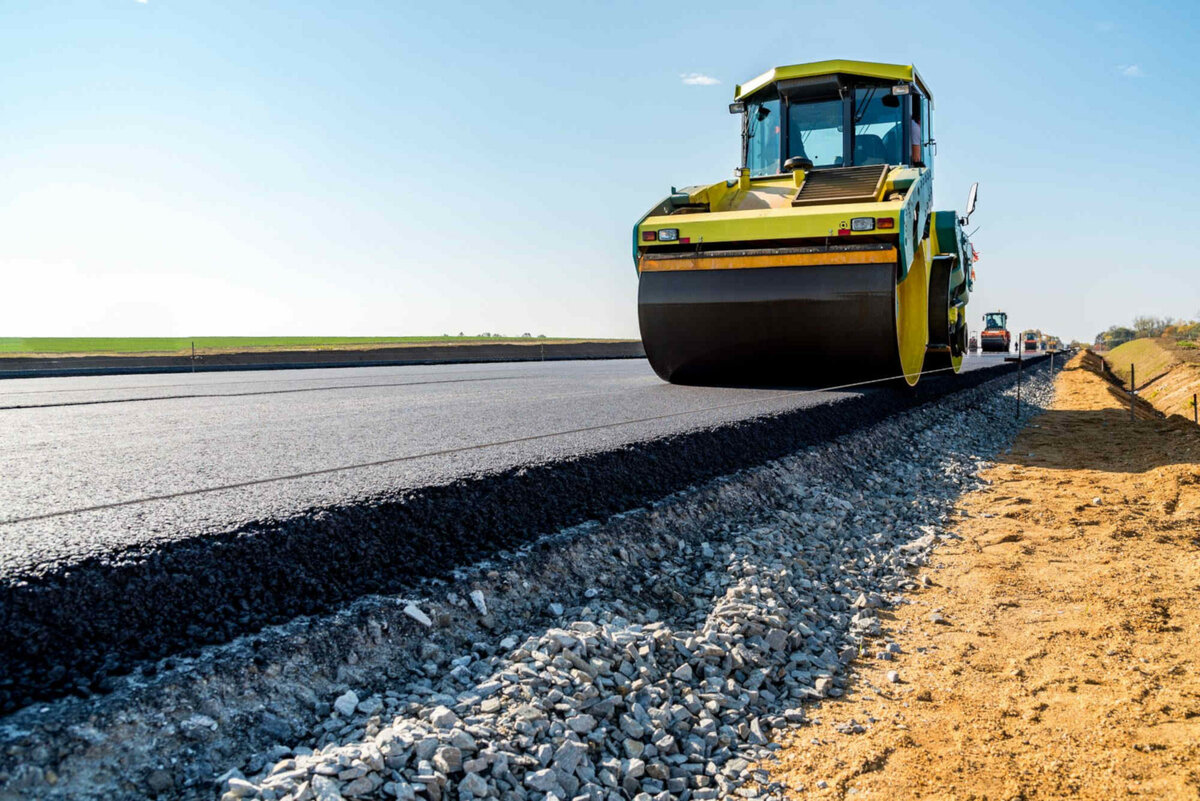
{"x":143,"y":516}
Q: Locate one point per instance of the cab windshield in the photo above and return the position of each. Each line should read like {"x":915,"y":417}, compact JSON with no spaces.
{"x":815,"y":128}
{"x":993,"y":321}
{"x":815,"y":131}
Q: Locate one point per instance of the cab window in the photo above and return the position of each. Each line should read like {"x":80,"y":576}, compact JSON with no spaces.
{"x":878,"y":126}
{"x":762,"y":137}
{"x":926,"y":131}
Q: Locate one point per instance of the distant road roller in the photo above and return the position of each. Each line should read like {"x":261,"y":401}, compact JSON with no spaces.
{"x":996,"y":336}
{"x":823,"y":261}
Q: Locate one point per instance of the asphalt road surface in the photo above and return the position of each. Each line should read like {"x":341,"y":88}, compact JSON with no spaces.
{"x":141,"y":516}
{"x":72,"y":444}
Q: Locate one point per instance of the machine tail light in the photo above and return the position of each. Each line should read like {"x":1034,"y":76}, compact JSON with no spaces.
{"x":885,"y":222}
{"x":649,"y":236}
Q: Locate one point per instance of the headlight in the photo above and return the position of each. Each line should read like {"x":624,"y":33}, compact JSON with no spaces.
{"x":668,"y":234}
{"x":862,"y":224}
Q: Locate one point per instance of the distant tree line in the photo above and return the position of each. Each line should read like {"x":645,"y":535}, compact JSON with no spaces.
{"x":491,"y":335}
{"x":1148,"y":326}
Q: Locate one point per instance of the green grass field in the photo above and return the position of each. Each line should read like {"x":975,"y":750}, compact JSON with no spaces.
{"x":79,"y":346}
{"x":1150,"y":358}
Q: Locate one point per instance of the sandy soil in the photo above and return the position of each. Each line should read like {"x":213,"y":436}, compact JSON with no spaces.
{"x":1067,"y":659}
{"x":1175,"y":391}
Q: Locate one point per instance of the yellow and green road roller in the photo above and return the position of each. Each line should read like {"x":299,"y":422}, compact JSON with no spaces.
{"x":822,"y":261}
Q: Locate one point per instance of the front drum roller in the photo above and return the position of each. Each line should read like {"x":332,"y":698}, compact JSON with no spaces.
{"x":947,"y":320}
{"x":816,"y":317}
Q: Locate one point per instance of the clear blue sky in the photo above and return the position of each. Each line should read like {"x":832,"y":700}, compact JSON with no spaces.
{"x":176,"y":168}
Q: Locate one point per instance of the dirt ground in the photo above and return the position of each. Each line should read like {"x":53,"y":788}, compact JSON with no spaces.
{"x":1065,"y":660}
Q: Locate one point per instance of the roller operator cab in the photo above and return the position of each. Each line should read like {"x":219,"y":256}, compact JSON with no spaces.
{"x":823,"y":259}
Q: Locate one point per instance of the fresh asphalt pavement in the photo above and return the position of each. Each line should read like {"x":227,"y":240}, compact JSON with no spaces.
{"x":143,"y":516}
{"x":98,"y":465}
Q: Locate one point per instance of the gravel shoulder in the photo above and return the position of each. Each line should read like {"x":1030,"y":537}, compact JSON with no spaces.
{"x":1052,"y":648}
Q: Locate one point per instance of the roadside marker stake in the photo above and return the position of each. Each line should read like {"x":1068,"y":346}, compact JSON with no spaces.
{"x":1132,"y":390}
{"x":1020,"y":364}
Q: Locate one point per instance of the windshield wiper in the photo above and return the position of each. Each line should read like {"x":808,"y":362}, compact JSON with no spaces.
{"x":866,"y":103}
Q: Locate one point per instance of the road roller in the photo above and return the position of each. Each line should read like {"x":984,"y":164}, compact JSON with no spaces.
{"x":822,"y":262}
{"x":996,"y":336}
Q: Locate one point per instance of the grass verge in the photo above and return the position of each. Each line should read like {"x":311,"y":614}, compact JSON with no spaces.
{"x":1149,"y":358}
{"x":1168,"y":376}
{"x":99,"y":346}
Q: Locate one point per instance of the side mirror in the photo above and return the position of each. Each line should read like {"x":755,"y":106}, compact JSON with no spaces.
{"x":971,"y":202}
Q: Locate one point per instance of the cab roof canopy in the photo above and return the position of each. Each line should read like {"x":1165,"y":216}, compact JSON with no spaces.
{"x":899,"y":73}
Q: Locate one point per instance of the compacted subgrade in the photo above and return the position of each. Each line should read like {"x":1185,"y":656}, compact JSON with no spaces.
{"x":653,"y":653}
{"x":70,"y":628}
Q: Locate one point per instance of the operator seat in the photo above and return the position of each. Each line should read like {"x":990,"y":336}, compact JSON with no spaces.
{"x":891,"y":145}
{"x":869,"y":149}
